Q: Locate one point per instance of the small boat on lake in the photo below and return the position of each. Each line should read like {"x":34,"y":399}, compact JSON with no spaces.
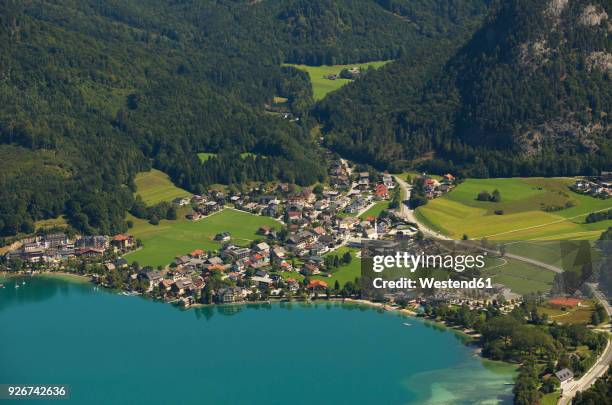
{"x":407,"y":324}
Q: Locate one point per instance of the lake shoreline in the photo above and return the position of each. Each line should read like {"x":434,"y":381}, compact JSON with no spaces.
{"x":469,"y":339}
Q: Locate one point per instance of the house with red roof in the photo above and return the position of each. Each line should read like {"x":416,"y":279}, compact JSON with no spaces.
{"x":382,"y":191}
{"x":197,"y":254}
{"x":122,"y":241}
{"x":317,"y":285}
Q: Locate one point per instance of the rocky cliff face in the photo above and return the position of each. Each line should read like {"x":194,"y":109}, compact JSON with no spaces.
{"x":533,"y":82}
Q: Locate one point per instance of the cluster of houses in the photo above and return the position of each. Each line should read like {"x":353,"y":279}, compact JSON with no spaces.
{"x":349,"y":73}
{"x":316,"y":224}
{"x":435,"y":188}
{"x":599,"y":186}
{"x":202,"y":206}
{"x":55,"y":248}
{"x":282,"y":201}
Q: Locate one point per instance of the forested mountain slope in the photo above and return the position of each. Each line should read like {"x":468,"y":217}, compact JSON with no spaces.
{"x":93,"y":91}
{"x":529,"y":94}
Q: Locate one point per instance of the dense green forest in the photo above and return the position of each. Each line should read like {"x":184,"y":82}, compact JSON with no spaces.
{"x":528,"y":94}
{"x":91,"y":92}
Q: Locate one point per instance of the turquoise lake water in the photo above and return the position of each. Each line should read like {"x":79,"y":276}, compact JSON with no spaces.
{"x":113,"y":349}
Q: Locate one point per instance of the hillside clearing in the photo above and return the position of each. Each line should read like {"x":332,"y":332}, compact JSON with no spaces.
{"x":155,"y":186}
{"x":321,"y":85}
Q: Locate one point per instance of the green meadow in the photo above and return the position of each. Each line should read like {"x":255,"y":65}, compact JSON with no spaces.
{"x":155,"y":186}
{"x":376,"y":209}
{"x":321,"y":86}
{"x":522,"y":278}
{"x":344,"y":273}
{"x":522,"y":202}
{"x":163,"y":242}
{"x":204,"y":156}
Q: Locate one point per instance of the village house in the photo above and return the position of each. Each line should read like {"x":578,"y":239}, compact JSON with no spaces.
{"x":89,"y":252}
{"x":194,"y":216}
{"x":388,"y":181}
{"x":317,"y":285}
{"x":123,"y":241}
{"x":262,"y":281}
{"x":55,"y":240}
{"x":229,"y":294}
{"x":381,"y":191}
{"x":166,"y":284}
{"x":198,"y":254}
{"x":364,"y":181}
{"x":223,"y":237}
{"x":181,"y":201}
{"x":278,"y":253}
{"x":565,"y":375}
{"x":152,"y":277}
{"x":237,"y":254}
{"x":94,"y":241}
{"x":272,"y":210}
{"x":182,"y":286}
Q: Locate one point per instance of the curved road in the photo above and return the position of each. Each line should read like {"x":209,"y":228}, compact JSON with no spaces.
{"x":605,"y":359}
{"x":600,"y":366}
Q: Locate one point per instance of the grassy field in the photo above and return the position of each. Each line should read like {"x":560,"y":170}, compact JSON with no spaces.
{"x":550,"y":399}
{"x":51,"y":223}
{"x":522,"y":278}
{"x":578,"y":315}
{"x":321,"y":86}
{"x":204,"y":156}
{"x":344,"y":273}
{"x":570,"y":255}
{"x":523,"y":200}
{"x":162,"y":243}
{"x":376,"y":209}
{"x":155,"y":186}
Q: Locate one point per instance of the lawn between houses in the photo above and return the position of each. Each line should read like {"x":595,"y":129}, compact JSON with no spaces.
{"x":163,"y":242}
{"x":343,"y":274}
{"x":376,"y":209}
{"x":321,"y":86}
{"x":522,"y":202}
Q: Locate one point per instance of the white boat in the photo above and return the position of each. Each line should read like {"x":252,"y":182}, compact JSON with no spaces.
{"x":407,"y":324}
{"x":16,"y":285}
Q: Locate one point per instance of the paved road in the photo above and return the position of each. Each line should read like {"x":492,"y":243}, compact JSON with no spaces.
{"x":408,"y":214}
{"x":599,"y":368}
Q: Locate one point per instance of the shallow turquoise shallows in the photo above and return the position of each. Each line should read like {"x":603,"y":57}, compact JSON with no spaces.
{"x":113,"y":349}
